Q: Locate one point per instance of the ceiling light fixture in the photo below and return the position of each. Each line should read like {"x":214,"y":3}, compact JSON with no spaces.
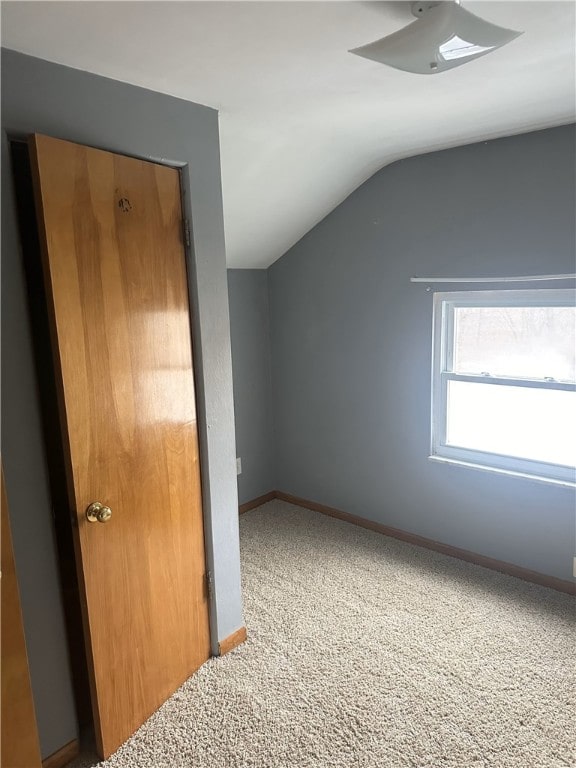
{"x":445,"y":36}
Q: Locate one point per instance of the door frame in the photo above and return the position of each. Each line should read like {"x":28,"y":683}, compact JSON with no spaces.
{"x":62,"y":491}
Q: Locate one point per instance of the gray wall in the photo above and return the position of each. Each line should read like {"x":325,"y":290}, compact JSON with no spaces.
{"x":250,"y":338}
{"x":38,"y":96}
{"x":351,"y":342}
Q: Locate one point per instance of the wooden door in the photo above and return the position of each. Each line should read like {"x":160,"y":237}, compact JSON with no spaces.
{"x":19,"y":746}
{"x":114,"y":265}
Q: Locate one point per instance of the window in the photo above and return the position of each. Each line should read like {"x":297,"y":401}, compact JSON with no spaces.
{"x":504,"y":381}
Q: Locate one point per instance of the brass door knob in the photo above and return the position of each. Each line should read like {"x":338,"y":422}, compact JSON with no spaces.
{"x":98,"y":513}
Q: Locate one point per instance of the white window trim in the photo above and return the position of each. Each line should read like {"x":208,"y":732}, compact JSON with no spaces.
{"x":442,"y":352}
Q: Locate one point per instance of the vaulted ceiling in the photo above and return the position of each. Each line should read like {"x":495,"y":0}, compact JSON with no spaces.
{"x":302,"y":121}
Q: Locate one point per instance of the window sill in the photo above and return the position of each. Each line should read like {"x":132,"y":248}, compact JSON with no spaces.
{"x":500,"y":471}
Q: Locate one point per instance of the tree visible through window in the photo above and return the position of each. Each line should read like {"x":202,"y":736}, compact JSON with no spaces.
{"x":504,"y":393}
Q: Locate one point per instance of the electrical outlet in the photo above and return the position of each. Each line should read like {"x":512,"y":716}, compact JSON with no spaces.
{"x":238,"y":465}
{"x":574,"y":567}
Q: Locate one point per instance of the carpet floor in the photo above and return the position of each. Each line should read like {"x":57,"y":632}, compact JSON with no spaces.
{"x":366,"y":652}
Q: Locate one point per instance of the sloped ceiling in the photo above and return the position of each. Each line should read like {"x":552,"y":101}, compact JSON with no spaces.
{"x":302,"y":121}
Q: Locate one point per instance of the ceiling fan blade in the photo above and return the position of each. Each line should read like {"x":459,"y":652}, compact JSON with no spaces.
{"x":445,"y":37}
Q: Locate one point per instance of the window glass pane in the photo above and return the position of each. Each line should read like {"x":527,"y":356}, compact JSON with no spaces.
{"x":527,"y":342}
{"x":528,"y":423}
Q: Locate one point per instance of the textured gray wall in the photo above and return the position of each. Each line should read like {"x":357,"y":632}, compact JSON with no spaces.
{"x":351,"y":342}
{"x":38,"y":96}
{"x":250,"y":339}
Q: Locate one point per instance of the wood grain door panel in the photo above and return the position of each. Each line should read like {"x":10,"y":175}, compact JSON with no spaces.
{"x":115,"y":272}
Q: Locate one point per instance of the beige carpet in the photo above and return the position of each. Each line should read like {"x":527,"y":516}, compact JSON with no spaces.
{"x":365,"y":652}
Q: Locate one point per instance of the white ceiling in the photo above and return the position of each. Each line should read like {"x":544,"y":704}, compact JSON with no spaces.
{"x":303,"y":122}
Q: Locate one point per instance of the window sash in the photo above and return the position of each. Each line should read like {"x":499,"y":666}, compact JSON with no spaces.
{"x":509,"y":381}
{"x":442,"y":373}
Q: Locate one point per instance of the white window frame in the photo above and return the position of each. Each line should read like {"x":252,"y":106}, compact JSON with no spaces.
{"x":442,"y":373}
